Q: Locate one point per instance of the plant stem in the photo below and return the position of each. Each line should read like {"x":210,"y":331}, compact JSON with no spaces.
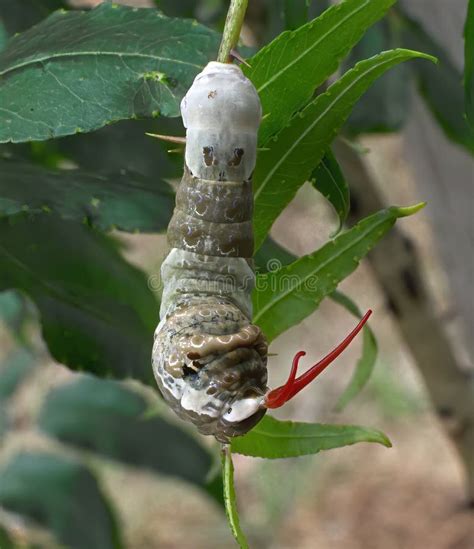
{"x":233,"y":25}
{"x":229,"y":497}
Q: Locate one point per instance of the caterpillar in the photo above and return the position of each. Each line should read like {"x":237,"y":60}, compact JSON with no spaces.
{"x":209,"y":360}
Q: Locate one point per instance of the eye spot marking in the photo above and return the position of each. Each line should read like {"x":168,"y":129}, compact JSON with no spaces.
{"x":188,"y":371}
{"x":237,"y":158}
{"x":208,"y":153}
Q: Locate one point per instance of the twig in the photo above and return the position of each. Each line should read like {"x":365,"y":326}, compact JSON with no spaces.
{"x":233,"y":26}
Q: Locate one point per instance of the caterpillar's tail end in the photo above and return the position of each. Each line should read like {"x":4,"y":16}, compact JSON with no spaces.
{"x":279,"y":396}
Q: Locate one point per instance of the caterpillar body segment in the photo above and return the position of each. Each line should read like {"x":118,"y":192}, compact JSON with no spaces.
{"x":209,"y":360}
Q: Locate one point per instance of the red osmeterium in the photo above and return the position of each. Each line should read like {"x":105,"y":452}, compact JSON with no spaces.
{"x":277,"y":397}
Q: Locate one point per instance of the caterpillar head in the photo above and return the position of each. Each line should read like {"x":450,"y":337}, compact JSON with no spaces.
{"x":233,"y":385}
{"x":221,"y":113}
{"x":210,"y":363}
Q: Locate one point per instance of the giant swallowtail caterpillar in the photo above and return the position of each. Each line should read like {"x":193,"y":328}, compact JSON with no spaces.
{"x":209,"y":360}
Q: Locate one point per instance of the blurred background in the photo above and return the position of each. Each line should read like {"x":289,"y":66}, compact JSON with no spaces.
{"x":405,"y":143}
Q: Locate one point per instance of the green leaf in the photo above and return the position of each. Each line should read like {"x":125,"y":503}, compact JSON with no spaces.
{"x":329,"y":180}
{"x":61,"y":495}
{"x":5,"y":541}
{"x":229,"y":498}
{"x":126,"y":201}
{"x":84,"y":70}
{"x":271,"y":256}
{"x":469,"y":63}
{"x":96,"y":310}
{"x":124,"y":145}
{"x":108,"y":418}
{"x":385,"y":106}
{"x":440,"y":86}
{"x":285,"y":297}
{"x":19,"y":16}
{"x":13,"y":371}
{"x":3,"y":35}
{"x":366,"y":362}
{"x":288,"y":70}
{"x":299,"y":147}
{"x":273,"y":439}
